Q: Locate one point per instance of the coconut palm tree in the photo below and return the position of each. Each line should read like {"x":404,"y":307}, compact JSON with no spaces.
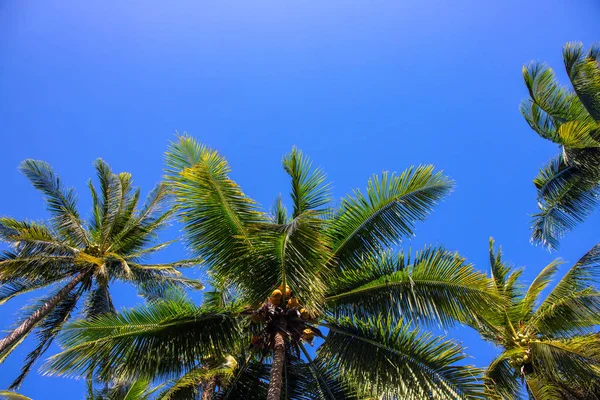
{"x":315,"y":275}
{"x":76,"y":260}
{"x":568,"y":186}
{"x":549,"y":344}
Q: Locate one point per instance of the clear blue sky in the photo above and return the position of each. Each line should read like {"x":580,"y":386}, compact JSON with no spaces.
{"x":361,"y":86}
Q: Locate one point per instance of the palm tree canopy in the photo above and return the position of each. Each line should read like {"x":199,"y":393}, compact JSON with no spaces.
{"x":568,"y":185}
{"x":317,"y":267}
{"x":548,"y":342}
{"x":112,"y":245}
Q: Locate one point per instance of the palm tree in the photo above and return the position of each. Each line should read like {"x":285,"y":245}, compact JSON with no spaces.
{"x":549,"y":344}
{"x":77,"y":259}
{"x":315,"y":274}
{"x":568,"y":186}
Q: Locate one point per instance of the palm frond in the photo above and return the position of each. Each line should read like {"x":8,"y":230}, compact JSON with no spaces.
{"x":437,"y":286}
{"x":389,"y":359}
{"x":565,"y":198}
{"x":14,"y":287}
{"x":217,"y":216}
{"x":541,"y":282}
{"x":301,"y":255}
{"x":584,"y":74}
{"x":191,"y":383}
{"x":61,"y":202}
{"x":279,"y":213}
{"x":501,"y":380}
{"x":250,"y":382}
{"x":318,"y":382}
{"x":6,"y":395}
{"x":574,"y":303}
{"x":366,"y":223}
{"x":132,"y":344}
{"x":568,"y":362}
{"x":309,"y":190}
{"x":47,"y":330}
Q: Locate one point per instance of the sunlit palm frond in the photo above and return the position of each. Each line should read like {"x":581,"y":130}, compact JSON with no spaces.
{"x":216,"y":214}
{"x":6,"y":395}
{"x":574,"y":303}
{"x":436,"y":286}
{"x":541,"y":282}
{"x":366,"y":223}
{"x":301,"y":256}
{"x":309,"y":189}
{"x":391,"y":359}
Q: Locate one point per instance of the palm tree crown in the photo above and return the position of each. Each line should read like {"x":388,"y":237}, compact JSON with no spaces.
{"x":548,"y":344}
{"x":111,"y":246}
{"x":287,"y":279}
{"x":568,"y":186}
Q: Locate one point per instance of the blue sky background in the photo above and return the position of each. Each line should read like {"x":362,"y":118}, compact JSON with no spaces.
{"x":361,"y":86}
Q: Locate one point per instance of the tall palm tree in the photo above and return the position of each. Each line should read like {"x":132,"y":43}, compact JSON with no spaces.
{"x":79,"y":260}
{"x":568,"y":186}
{"x":315,"y":274}
{"x":548,"y":344}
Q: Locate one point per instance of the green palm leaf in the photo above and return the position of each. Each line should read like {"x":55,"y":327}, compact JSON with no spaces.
{"x":132,"y":344}
{"x":388,"y":211}
{"x":309,"y":190}
{"x":436,"y":286}
{"x":393,"y":360}
{"x":61,"y":202}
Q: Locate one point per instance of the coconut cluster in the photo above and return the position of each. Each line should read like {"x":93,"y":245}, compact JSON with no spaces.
{"x":522,"y":361}
{"x":282,"y":313}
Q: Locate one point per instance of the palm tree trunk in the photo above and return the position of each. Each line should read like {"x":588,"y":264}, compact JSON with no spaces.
{"x":276,"y":379}
{"x":39,"y":314}
{"x":209,"y":389}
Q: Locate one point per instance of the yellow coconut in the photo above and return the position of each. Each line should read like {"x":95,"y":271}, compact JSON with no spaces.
{"x":288,"y":291}
{"x":308,"y":335}
{"x":276,"y":297}
{"x":293,"y":302}
{"x":304,"y":314}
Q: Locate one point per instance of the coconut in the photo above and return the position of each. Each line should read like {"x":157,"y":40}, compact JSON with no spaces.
{"x":304,"y":314}
{"x":288,"y":291}
{"x":276,"y":297}
{"x":293,"y":302}
{"x":308,"y":335}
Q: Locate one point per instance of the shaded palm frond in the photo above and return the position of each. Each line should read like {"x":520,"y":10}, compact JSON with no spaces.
{"x":501,"y":380}
{"x":390,"y":359}
{"x":47,"y":330}
{"x":61,"y":202}
{"x":132,"y":344}
{"x":566,"y":196}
